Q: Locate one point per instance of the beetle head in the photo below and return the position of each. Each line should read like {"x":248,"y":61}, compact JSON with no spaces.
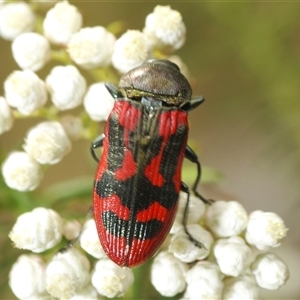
{"x":159,"y":79}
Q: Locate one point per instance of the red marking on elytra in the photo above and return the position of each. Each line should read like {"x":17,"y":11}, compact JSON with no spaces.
{"x":128,"y":118}
{"x":177,"y":175}
{"x":114,"y":204}
{"x":146,"y":248}
{"x":114,"y":247}
{"x":170,"y":121}
{"x":128,"y":114}
{"x":154,"y":211}
{"x":152,"y":171}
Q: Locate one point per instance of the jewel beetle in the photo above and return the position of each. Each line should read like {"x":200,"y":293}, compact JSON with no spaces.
{"x":138,"y":179}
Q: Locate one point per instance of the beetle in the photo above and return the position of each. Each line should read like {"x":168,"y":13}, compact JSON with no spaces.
{"x":138,"y":179}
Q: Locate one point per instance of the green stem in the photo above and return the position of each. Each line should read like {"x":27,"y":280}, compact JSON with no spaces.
{"x":62,"y":56}
{"x":49,"y":113}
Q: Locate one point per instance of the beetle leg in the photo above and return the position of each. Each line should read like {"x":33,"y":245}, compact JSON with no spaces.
{"x":97,"y":143}
{"x":185,"y":189}
{"x":73,"y":242}
{"x":192,"y":156}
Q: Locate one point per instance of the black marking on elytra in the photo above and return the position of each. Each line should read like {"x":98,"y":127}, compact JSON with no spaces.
{"x":142,"y":230}
{"x":116,"y":144}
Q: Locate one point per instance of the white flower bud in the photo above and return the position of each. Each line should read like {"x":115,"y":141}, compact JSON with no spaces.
{"x":31,"y":51}
{"x":233,"y":255}
{"x":67,"y":274}
{"x":21,"y":172}
{"x":110,"y":280}
{"x":270,"y":271}
{"x":203,"y":282}
{"x":168,"y":274}
{"x":196,"y":210}
{"x":265,"y":229}
{"x":165,"y":27}
{"x":130,"y":51}
{"x":242,"y":287}
{"x":72,"y":126}
{"x":25,"y":91}
{"x":6,"y":118}
{"x":15,"y":18}
{"x":38,"y":230}
{"x":98,"y":102}
{"x":89,"y":240}
{"x":27,"y":277}
{"x":61,"y":22}
{"x":47,"y":142}
{"x":87,"y":293}
{"x":71,"y":230}
{"x":185,"y":250}
{"x":66,"y":86}
{"x":226,"y":218}
{"x":92,"y":47}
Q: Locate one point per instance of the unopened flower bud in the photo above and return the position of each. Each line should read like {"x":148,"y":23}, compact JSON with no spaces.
{"x":71,"y":229}
{"x":110,"y":280}
{"x":226,"y":218}
{"x":72,"y":126}
{"x":31,"y":51}
{"x":89,"y":240}
{"x":241,"y":287}
{"x":233,"y":255}
{"x":66,"y":86}
{"x":130,"y":51}
{"x":38,"y":230}
{"x":184,"y":249}
{"x":270,"y":271}
{"x":165,"y":28}
{"x":265,"y":229}
{"x":67,"y":274}
{"x":61,"y":22}
{"x":6,"y":118}
{"x":21,"y":172}
{"x":98,"y":102}
{"x":168,"y":274}
{"x":47,"y":142}
{"x":203,"y":282}
{"x":15,"y":18}
{"x":92,"y":47}
{"x":25,"y":91}
{"x":27,"y":277}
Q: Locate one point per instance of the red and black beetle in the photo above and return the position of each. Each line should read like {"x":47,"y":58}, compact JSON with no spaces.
{"x":139,"y":173}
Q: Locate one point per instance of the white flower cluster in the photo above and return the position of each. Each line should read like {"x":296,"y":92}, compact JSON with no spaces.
{"x":68,"y":275}
{"x":228,"y":268}
{"x":91,"y":48}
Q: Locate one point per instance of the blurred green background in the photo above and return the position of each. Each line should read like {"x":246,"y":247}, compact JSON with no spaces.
{"x":245,"y":60}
